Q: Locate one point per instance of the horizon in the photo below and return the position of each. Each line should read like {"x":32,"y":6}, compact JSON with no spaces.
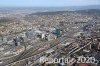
{"x":47,"y":3}
{"x":45,"y":6}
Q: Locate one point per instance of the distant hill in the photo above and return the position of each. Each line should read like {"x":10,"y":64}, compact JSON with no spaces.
{"x":88,"y":15}
{"x":85,"y":7}
{"x":95,"y":12}
{"x":87,"y":11}
{"x":45,"y":9}
{"x":48,"y":13}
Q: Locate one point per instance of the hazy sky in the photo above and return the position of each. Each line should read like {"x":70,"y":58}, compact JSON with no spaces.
{"x":49,"y":3}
